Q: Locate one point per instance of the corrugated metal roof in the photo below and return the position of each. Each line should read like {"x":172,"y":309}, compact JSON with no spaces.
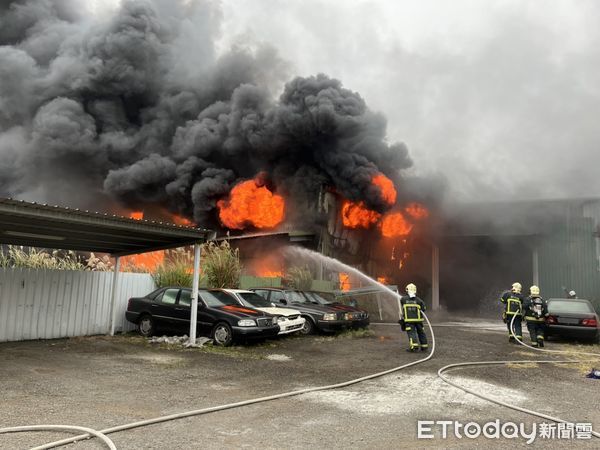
{"x":46,"y":226}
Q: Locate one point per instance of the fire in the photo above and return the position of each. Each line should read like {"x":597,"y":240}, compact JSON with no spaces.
{"x":417,"y":211}
{"x":267,"y":266}
{"x":250,"y":203}
{"x":357,"y":215}
{"x":383,"y":280}
{"x":149,"y":261}
{"x":180,"y":220}
{"x":386,"y":186}
{"x":394,"y":224}
{"x":344,"y":280}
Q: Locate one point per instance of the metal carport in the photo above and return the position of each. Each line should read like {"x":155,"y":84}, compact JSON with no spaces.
{"x":36,"y":225}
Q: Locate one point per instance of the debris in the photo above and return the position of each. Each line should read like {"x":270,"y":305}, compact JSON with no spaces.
{"x":179,"y":340}
{"x":595,"y":373}
{"x":276,"y":357}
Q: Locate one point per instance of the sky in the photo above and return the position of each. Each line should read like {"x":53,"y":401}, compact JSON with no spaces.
{"x":500,"y":98}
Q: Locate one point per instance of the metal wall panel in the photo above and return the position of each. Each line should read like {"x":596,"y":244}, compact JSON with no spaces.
{"x":47,"y":304}
{"x":569,"y":255}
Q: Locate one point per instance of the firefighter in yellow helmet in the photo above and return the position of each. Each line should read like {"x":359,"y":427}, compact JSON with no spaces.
{"x":513,"y":307}
{"x":536,"y":311}
{"x":412,"y":307}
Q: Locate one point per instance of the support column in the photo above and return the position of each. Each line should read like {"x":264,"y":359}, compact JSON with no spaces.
{"x":536,"y":267}
{"x":435,"y":277}
{"x":113,"y":296}
{"x":195,"y":281}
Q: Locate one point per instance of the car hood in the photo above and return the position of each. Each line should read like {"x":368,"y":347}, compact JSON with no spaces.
{"x":239,"y":311}
{"x":280,"y":311}
{"x":342,"y":307}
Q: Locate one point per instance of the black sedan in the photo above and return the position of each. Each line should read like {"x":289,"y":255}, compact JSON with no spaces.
{"x":574,"y":318}
{"x":359,"y":317}
{"x":219,"y":315}
{"x":318,"y":317}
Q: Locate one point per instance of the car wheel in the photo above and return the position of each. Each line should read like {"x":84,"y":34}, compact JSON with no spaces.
{"x":308,"y":327}
{"x":146,"y":326}
{"x":222,"y":334}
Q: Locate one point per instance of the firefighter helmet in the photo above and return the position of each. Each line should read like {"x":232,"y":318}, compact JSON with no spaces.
{"x":516,"y":288}
{"x":411,"y":289}
{"x":534,"y":290}
{"x":572,"y":294}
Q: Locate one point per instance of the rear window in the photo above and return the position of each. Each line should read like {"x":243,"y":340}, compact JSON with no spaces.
{"x":217,"y":298}
{"x":252,"y":299}
{"x":569,"y":306}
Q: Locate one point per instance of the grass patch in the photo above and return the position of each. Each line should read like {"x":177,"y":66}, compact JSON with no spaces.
{"x":351,"y":333}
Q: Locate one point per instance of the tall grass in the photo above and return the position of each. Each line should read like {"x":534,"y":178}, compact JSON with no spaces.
{"x":33,"y":258}
{"x":175,"y":270}
{"x":221,"y":265}
{"x":299,"y":277}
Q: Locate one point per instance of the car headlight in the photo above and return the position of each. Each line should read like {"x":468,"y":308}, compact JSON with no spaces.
{"x":246,"y":323}
{"x":348,"y":316}
{"x":329,"y":316}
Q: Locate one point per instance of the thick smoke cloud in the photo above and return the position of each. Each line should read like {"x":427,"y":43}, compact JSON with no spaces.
{"x":139,"y":107}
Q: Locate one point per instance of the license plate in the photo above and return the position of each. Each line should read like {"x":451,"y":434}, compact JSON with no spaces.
{"x":569,"y":321}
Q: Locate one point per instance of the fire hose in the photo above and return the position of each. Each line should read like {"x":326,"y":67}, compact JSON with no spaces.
{"x":91,"y":433}
{"x":500,"y":402}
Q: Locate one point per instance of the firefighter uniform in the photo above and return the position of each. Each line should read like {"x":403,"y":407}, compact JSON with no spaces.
{"x":513,"y":307}
{"x":536,"y":311}
{"x":412,"y":307}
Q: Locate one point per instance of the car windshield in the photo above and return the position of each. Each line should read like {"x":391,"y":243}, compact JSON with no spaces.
{"x":569,"y":306}
{"x":217,"y":298}
{"x":295,"y":297}
{"x":316,"y":298}
{"x":254,"y":300}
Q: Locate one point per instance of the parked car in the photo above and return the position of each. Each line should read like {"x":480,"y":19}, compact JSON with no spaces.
{"x":359,"y":317}
{"x":219,"y":315}
{"x":575,"y":318}
{"x":318,"y":317}
{"x":289,"y":320}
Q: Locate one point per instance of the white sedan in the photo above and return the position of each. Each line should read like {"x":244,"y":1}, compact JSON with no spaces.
{"x":289,"y":320}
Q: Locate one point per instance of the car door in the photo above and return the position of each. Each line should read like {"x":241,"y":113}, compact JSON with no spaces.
{"x":184,"y":308}
{"x":163,"y":307}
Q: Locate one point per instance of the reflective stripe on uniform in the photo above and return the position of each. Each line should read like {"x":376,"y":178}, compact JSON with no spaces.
{"x":534,"y":319}
{"x":509,"y":309}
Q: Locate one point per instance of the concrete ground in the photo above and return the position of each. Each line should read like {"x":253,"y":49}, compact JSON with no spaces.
{"x":101,"y":382}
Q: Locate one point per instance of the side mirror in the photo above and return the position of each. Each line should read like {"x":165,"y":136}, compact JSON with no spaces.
{"x":283,"y":301}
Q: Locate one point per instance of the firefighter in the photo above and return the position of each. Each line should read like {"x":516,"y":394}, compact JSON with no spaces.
{"x":536,"y":311}
{"x":572,"y":295}
{"x":412,"y":306}
{"x":513,"y":308}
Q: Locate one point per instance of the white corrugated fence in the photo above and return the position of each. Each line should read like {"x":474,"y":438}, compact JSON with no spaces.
{"x":46,"y":304}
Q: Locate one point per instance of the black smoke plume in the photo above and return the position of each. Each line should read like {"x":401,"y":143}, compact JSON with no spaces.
{"x":140,"y":108}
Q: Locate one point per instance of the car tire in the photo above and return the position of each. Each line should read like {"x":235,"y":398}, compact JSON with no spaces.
{"x":308,"y":327}
{"x":146,"y":326}
{"x":222,"y":334}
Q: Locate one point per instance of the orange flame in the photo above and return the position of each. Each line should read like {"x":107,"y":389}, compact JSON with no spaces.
{"x":344,"y":280}
{"x":417,"y":211}
{"x":266,"y":266}
{"x":383,"y":280}
{"x":180,"y":220}
{"x":150,"y":260}
{"x":251,"y":204}
{"x":386,"y":186}
{"x":394,"y":224}
{"x":357,"y":215}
